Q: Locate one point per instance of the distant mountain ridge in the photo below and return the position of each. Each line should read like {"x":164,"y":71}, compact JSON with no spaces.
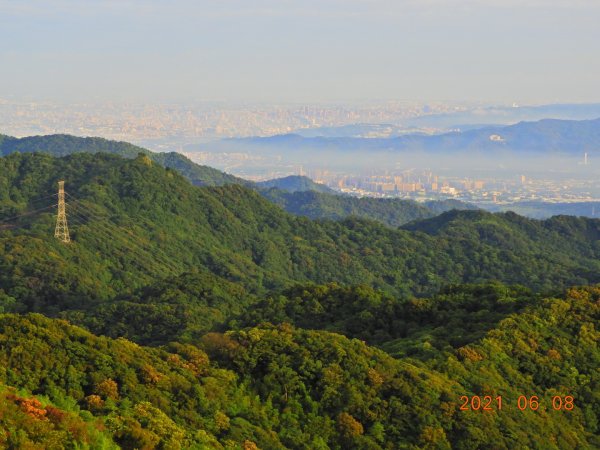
{"x":507,"y":115}
{"x":548,"y":135}
{"x":393,"y":212}
{"x":296,"y":194}
{"x":295,"y":183}
{"x":545,"y":210}
{"x":64,"y":144}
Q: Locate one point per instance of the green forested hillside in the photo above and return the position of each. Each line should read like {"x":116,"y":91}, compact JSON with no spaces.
{"x":26,"y":422}
{"x":440,"y":206}
{"x":133,"y":221}
{"x":64,"y":144}
{"x":392,"y":212}
{"x":318,"y":205}
{"x":181,"y":308}
{"x":295,"y":183}
{"x":221,"y":321}
{"x":281,"y":387}
{"x":454,"y":317}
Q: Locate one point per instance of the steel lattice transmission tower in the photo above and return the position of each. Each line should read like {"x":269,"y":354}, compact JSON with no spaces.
{"x":62,"y":229}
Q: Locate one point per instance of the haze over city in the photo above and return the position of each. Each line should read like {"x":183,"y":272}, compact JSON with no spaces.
{"x":360,"y":84}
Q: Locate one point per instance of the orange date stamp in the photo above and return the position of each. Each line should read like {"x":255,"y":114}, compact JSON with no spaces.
{"x":523,"y":403}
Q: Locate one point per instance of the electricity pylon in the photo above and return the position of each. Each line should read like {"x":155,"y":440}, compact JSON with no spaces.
{"x":62,"y":229}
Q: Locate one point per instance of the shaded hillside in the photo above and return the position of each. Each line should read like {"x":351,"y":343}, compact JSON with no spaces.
{"x":317,"y":205}
{"x":181,"y":308}
{"x":441,"y":206}
{"x":295,"y":183}
{"x":456,"y":316}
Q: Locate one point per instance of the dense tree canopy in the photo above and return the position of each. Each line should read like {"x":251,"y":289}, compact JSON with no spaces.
{"x":133,"y":220}
{"x":283,"y":387}
{"x":206,"y":317}
{"x":390,"y":211}
{"x":63,"y":145}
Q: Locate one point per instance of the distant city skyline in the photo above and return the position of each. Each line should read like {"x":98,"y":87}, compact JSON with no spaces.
{"x":304,"y":52}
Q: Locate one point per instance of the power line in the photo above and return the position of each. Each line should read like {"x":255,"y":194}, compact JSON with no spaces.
{"x":109,"y":236}
{"x":84,"y":215}
{"x":98,"y":216}
{"x":109,"y":230}
{"x":29,"y":213}
{"x":36,"y":202}
{"x":40,"y":198}
{"x":35,"y":211}
{"x":151,"y":260}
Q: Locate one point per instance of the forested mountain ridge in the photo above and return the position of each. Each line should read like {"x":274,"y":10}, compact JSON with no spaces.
{"x":390,"y":211}
{"x":332,"y":206}
{"x":295,"y":183}
{"x":64,"y":144}
{"x":133,"y":220}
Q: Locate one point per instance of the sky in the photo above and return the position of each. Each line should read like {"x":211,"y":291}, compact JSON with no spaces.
{"x":306,"y":51}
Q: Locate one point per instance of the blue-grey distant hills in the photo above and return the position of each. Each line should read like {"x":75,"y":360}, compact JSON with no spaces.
{"x":567,"y":137}
{"x":458,"y":120}
{"x":505,"y":115}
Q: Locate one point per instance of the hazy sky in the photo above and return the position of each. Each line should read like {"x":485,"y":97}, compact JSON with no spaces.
{"x":529,"y":51}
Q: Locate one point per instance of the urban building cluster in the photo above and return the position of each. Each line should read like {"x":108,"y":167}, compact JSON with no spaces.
{"x":426,"y":185}
{"x":172,"y":126}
